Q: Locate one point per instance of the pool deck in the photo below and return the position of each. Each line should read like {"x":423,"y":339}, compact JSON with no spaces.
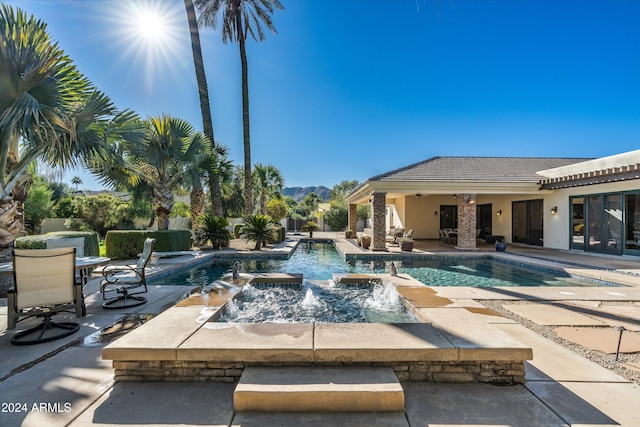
{"x":562,"y":388}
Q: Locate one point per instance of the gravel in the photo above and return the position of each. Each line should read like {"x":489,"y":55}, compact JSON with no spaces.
{"x":605,"y":360}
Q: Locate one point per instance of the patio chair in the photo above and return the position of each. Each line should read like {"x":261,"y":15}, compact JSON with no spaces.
{"x":44,"y":285}
{"x":122,"y":284}
{"x":75,"y":242}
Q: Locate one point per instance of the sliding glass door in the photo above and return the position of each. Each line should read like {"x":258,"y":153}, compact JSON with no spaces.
{"x":527,"y":225}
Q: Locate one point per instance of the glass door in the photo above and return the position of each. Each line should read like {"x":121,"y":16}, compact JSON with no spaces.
{"x":526,"y":223}
{"x":577,"y":223}
{"x":449,"y":216}
{"x":519,"y":222}
{"x":594,"y":221}
{"x":612,"y":226}
{"x":632,"y":222}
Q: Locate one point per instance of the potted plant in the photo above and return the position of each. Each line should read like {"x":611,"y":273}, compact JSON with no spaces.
{"x":364,"y":241}
{"x":406,"y":244}
{"x":310,"y":226}
{"x":348,"y":234}
{"x":501,"y":246}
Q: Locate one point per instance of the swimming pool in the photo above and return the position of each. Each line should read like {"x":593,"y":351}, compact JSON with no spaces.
{"x":321,"y":260}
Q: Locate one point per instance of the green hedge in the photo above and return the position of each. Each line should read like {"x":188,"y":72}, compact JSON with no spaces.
{"x":128,"y":244}
{"x":91,"y":241}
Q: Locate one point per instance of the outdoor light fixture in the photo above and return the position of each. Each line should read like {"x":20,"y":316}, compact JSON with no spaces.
{"x":455,"y":196}
{"x":499,"y":212}
{"x":418,"y":195}
{"x":435,"y":213}
{"x":554,"y":210}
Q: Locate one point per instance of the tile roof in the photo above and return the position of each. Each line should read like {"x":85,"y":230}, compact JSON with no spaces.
{"x":483,"y":169}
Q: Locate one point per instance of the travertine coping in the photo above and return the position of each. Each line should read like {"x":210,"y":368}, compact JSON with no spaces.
{"x":250,"y":342}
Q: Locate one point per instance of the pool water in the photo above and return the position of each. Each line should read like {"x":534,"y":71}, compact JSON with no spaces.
{"x":322,"y":260}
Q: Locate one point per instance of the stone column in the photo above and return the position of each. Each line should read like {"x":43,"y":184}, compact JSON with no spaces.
{"x":467,"y":222}
{"x":378,"y":214}
{"x":353,"y":218}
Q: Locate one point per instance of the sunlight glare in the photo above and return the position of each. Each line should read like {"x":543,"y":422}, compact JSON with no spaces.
{"x":151,"y":34}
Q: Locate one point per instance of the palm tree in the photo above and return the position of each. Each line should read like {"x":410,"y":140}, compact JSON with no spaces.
{"x":203,"y":92}
{"x":168,"y":153}
{"x":258,"y":228}
{"x":76,"y":181}
{"x":48,"y":110}
{"x":241,"y":18}
{"x":268,"y":181}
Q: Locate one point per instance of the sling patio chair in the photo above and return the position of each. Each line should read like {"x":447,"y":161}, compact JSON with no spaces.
{"x":122,"y":284}
{"x":44,"y":285}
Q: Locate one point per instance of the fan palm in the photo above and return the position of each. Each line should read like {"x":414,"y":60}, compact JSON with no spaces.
{"x":241,"y":18}
{"x":48,"y":110}
{"x":267,"y":181}
{"x":213,"y":229}
{"x":170,"y":151}
{"x":258,"y":228}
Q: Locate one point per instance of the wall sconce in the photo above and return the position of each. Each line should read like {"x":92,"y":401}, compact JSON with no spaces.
{"x":471,"y":202}
{"x":455,"y":196}
{"x":435,"y":213}
{"x":499,"y":213}
{"x":370,"y":199}
{"x":418,"y":195}
{"x":554,"y":210}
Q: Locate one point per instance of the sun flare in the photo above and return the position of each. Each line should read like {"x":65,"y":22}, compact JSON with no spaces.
{"x":150,"y":34}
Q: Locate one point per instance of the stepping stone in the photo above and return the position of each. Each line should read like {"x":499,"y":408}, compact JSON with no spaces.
{"x":318,"y":389}
{"x":601,"y":339}
{"x":551,"y":315}
{"x":356,"y":279}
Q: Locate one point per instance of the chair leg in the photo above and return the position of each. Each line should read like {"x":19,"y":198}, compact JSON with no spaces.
{"x":69,"y":328}
{"x":124,"y":299}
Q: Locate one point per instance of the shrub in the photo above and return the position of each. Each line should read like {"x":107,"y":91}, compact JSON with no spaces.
{"x":91,"y":241}
{"x":127,"y":244}
{"x":258,"y":228}
{"x":337,"y":217}
{"x":214,"y":229}
{"x":310,"y":227}
{"x":104,"y":212}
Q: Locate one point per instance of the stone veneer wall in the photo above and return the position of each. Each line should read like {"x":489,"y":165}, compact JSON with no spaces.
{"x":379,"y":213}
{"x":432,"y":371}
{"x":353,"y":217}
{"x":466,"y":222}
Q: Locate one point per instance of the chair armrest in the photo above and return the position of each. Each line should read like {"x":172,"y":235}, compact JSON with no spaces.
{"x":110,"y":270}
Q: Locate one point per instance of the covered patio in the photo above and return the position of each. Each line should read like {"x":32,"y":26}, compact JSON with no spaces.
{"x":473,"y":195}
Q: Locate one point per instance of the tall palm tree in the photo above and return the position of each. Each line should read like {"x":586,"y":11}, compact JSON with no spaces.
{"x":241,"y":18}
{"x":48,"y":110}
{"x":76,"y":181}
{"x":268,"y":181}
{"x":205,"y":108}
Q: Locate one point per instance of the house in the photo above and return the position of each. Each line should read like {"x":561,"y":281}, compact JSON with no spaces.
{"x":562,"y":203}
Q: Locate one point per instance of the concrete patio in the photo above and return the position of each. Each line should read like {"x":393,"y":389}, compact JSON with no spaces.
{"x":67,"y":382}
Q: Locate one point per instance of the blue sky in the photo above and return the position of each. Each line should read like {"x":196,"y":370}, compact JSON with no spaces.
{"x":351,"y":89}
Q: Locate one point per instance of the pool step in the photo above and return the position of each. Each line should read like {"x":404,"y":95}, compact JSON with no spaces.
{"x":318,"y":389}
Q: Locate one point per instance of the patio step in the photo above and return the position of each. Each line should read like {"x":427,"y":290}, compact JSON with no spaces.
{"x":318,"y":389}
